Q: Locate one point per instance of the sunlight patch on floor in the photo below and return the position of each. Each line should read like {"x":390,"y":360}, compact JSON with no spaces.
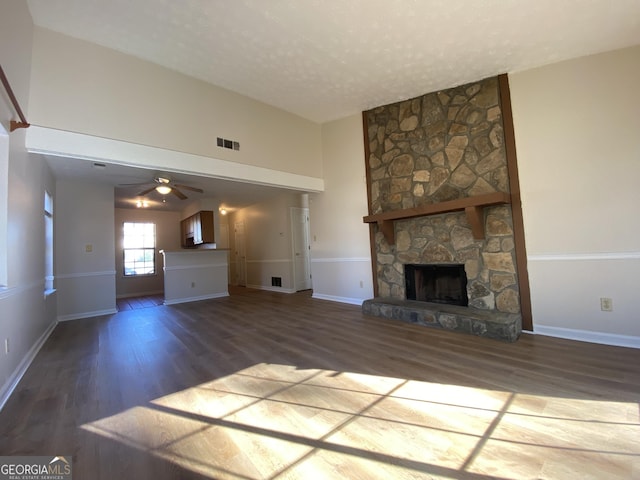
{"x":276,"y":421}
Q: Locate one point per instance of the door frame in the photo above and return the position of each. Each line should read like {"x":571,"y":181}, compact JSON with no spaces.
{"x":307,"y":253}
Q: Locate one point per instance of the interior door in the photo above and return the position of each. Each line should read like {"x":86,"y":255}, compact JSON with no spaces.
{"x":301,"y":248}
{"x":241,"y":254}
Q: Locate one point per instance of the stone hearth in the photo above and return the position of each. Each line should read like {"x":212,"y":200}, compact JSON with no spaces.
{"x":490,"y":324}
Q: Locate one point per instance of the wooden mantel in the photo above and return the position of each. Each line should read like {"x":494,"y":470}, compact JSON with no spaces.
{"x":472,"y":206}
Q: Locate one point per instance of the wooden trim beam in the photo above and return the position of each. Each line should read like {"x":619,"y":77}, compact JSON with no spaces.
{"x":372,"y":230}
{"x":489,"y":199}
{"x":387,"y":227}
{"x":472,"y":206}
{"x":516,"y":202}
{"x":475,"y":217}
{"x":13,"y":125}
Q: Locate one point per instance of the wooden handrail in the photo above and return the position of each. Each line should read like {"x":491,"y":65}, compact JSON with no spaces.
{"x":23,"y":121}
{"x":472,"y":206}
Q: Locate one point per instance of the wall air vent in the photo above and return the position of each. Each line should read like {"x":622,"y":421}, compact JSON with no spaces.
{"x":230,"y":144}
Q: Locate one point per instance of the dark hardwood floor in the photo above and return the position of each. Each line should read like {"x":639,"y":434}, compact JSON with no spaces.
{"x":133,"y":303}
{"x":267,"y":385}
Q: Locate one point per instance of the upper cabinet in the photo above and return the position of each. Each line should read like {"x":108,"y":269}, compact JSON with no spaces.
{"x":197,"y":229}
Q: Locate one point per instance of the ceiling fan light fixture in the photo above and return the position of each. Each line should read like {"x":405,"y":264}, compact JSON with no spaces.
{"x":163,"y":189}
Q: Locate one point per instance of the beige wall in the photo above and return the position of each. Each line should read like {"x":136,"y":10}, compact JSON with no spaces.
{"x":167,"y":238}
{"x":26,"y":315}
{"x":193,"y":275}
{"x":340,"y":252}
{"x":84,"y":250}
{"x":117,"y":96}
{"x":578,"y":146}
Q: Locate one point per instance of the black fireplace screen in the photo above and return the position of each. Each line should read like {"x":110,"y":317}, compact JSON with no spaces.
{"x":436,"y":283}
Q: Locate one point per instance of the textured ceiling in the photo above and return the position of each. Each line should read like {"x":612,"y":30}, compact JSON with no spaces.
{"x":326,"y":59}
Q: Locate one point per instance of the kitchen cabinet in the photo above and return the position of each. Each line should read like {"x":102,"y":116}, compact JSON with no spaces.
{"x":197,"y":229}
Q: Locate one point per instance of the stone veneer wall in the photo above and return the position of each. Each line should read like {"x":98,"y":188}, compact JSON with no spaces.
{"x":443,"y":146}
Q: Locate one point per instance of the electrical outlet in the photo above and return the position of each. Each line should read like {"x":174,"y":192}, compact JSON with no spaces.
{"x":193,"y":284}
{"x":361,"y":284}
{"x":606,"y":304}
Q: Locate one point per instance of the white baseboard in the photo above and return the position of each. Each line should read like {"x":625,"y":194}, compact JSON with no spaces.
{"x":16,"y":376}
{"x":588,"y":336}
{"x":272,"y":289}
{"x":77,"y":316}
{"x":196,"y":299}
{"x":333,"y":298}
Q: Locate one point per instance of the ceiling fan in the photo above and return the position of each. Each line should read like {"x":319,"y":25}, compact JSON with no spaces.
{"x":164,"y":186}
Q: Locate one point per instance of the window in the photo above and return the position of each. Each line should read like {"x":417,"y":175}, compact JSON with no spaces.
{"x":139,"y":243}
{"x":48,"y":242}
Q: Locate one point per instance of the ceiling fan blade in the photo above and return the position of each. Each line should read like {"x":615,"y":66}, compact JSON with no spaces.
{"x":178,"y":193}
{"x":187,"y":187}
{"x":146,"y":191}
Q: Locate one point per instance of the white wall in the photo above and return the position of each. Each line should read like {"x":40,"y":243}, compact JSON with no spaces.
{"x":117,"y":96}
{"x":340,"y":251}
{"x":193,"y":275}
{"x":167,"y":238}
{"x":84,"y":250}
{"x":27,"y":316}
{"x":578,"y":146}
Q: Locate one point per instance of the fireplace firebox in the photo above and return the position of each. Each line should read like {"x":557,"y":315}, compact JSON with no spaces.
{"x":436,"y":283}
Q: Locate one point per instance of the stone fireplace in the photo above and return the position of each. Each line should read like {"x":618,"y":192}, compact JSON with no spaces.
{"x":438,"y":184}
